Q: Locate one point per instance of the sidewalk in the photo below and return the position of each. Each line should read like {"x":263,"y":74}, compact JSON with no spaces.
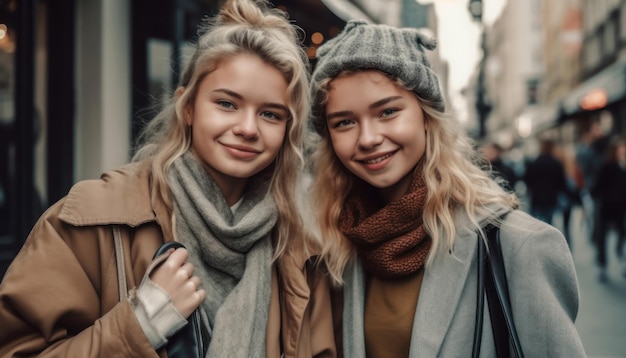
{"x":601,"y":320}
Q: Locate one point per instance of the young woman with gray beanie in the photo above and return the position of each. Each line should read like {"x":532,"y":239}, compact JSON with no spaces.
{"x":218,"y":172}
{"x":401,"y":200}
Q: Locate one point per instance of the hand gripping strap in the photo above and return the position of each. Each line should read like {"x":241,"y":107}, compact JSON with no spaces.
{"x":190,"y":340}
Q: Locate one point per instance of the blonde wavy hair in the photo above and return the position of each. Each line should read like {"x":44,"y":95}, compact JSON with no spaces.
{"x":241,"y":27}
{"x":453,"y":176}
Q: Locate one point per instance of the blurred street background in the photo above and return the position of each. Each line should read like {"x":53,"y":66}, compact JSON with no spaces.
{"x":540,"y":85}
{"x":601,"y":320}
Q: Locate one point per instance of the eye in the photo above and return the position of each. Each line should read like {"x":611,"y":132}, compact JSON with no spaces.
{"x":342,"y":123}
{"x":226,"y":104}
{"x":271,"y":115}
{"x":388,"y":112}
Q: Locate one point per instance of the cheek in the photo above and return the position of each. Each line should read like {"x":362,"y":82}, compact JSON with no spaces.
{"x":199,"y":128}
{"x":421,"y":142}
{"x":277,"y":136}
{"x":281,"y":140}
{"x":197,"y":116}
{"x":339,"y":144}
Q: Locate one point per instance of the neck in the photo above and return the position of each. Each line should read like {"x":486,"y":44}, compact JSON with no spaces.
{"x":231,"y":187}
{"x":232,"y":191}
{"x":395,"y":191}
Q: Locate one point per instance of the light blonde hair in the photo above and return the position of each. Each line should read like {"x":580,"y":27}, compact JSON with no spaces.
{"x":241,"y":27}
{"x":453,"y":177}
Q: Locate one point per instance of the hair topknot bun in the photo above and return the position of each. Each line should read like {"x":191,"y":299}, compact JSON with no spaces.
{"x":256,"y":13}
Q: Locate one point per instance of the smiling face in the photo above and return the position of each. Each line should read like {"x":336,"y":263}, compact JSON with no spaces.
{"x":239,"y":121}
{"x":377,"y":130}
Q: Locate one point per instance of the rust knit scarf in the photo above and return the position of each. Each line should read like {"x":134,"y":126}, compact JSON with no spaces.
{"x":391,"y":241}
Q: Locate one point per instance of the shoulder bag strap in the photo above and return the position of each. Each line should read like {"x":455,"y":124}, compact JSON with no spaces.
{"x":505,"y":334}
{"x":480,"y":298}
{"x":122,"y":286}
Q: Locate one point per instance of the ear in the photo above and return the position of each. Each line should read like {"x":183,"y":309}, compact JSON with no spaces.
{"x":179,"y":91}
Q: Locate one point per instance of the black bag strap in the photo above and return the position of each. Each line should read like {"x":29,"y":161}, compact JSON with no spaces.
{"x":480,"y":299}
{"x":492,"y":281}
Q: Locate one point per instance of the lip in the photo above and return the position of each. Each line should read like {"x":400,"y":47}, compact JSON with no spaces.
{"x":377,"y":161}
{"x":241,"y":151}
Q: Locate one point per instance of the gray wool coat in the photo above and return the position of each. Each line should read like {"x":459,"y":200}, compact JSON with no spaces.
{"x":542,"y":284}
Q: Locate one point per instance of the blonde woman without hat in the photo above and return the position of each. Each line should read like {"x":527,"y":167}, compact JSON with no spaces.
{"x":218,"y":172}
{"x":401,"y":201}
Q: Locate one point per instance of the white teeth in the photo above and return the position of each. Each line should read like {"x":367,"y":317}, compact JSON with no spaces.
{"x":379,"y":159}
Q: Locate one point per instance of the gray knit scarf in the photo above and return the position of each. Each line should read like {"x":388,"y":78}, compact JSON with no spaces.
{"x":231,"y":253}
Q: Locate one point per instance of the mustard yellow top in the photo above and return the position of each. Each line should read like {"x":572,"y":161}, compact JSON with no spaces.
{"x":389,"y":313}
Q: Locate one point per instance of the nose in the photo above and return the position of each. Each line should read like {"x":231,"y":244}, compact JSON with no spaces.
{"x":369,"y":136}
{"x":247,"y":125}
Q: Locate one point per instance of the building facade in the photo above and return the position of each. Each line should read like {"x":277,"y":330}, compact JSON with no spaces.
{"x":600,"y":94}
{"x":514,"y":71}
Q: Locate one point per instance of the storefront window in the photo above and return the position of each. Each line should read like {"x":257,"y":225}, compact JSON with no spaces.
{"x":7,"y":119}
{"x":23,"y":58}
{"x":8,"y":171}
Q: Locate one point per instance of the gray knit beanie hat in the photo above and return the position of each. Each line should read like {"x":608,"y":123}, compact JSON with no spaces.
{"x":396,"y":51}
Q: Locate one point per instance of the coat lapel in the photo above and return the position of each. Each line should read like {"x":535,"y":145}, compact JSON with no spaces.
{"x":440,"y":294}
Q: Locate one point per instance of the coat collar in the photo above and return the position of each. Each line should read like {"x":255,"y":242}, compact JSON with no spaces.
{"x":123,"y":196}
{"x":443,"y":285}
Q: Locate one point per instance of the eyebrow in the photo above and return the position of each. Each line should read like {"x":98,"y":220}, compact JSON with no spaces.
{"x":374,"y":105}
{"x":265,"y":104}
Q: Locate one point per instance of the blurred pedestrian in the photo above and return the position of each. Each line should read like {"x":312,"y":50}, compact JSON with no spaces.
{"x":500,"y":170}
{"x":218,"y":171}
{"x":590,"y":153}
{"x":401,"y":203}
{"x":575,"y":182}
{"x":545,"y":179}
{"x":610,"y":190}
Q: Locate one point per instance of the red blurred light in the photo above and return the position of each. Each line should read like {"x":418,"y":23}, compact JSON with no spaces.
{"x":595,"y":99}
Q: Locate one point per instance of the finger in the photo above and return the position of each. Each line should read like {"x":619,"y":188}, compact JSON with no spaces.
{"x":189,"y":298}
{"x":175,"y":261}
{"x":185,"y":272}
{"x":182,"y":274}
{"x":195,"y":282}
{"x":200,"y":295}
{"x":188,"y":267}
{"x":178,"y":257}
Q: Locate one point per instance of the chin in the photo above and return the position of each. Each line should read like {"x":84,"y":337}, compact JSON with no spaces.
{"x":381,"y":184}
